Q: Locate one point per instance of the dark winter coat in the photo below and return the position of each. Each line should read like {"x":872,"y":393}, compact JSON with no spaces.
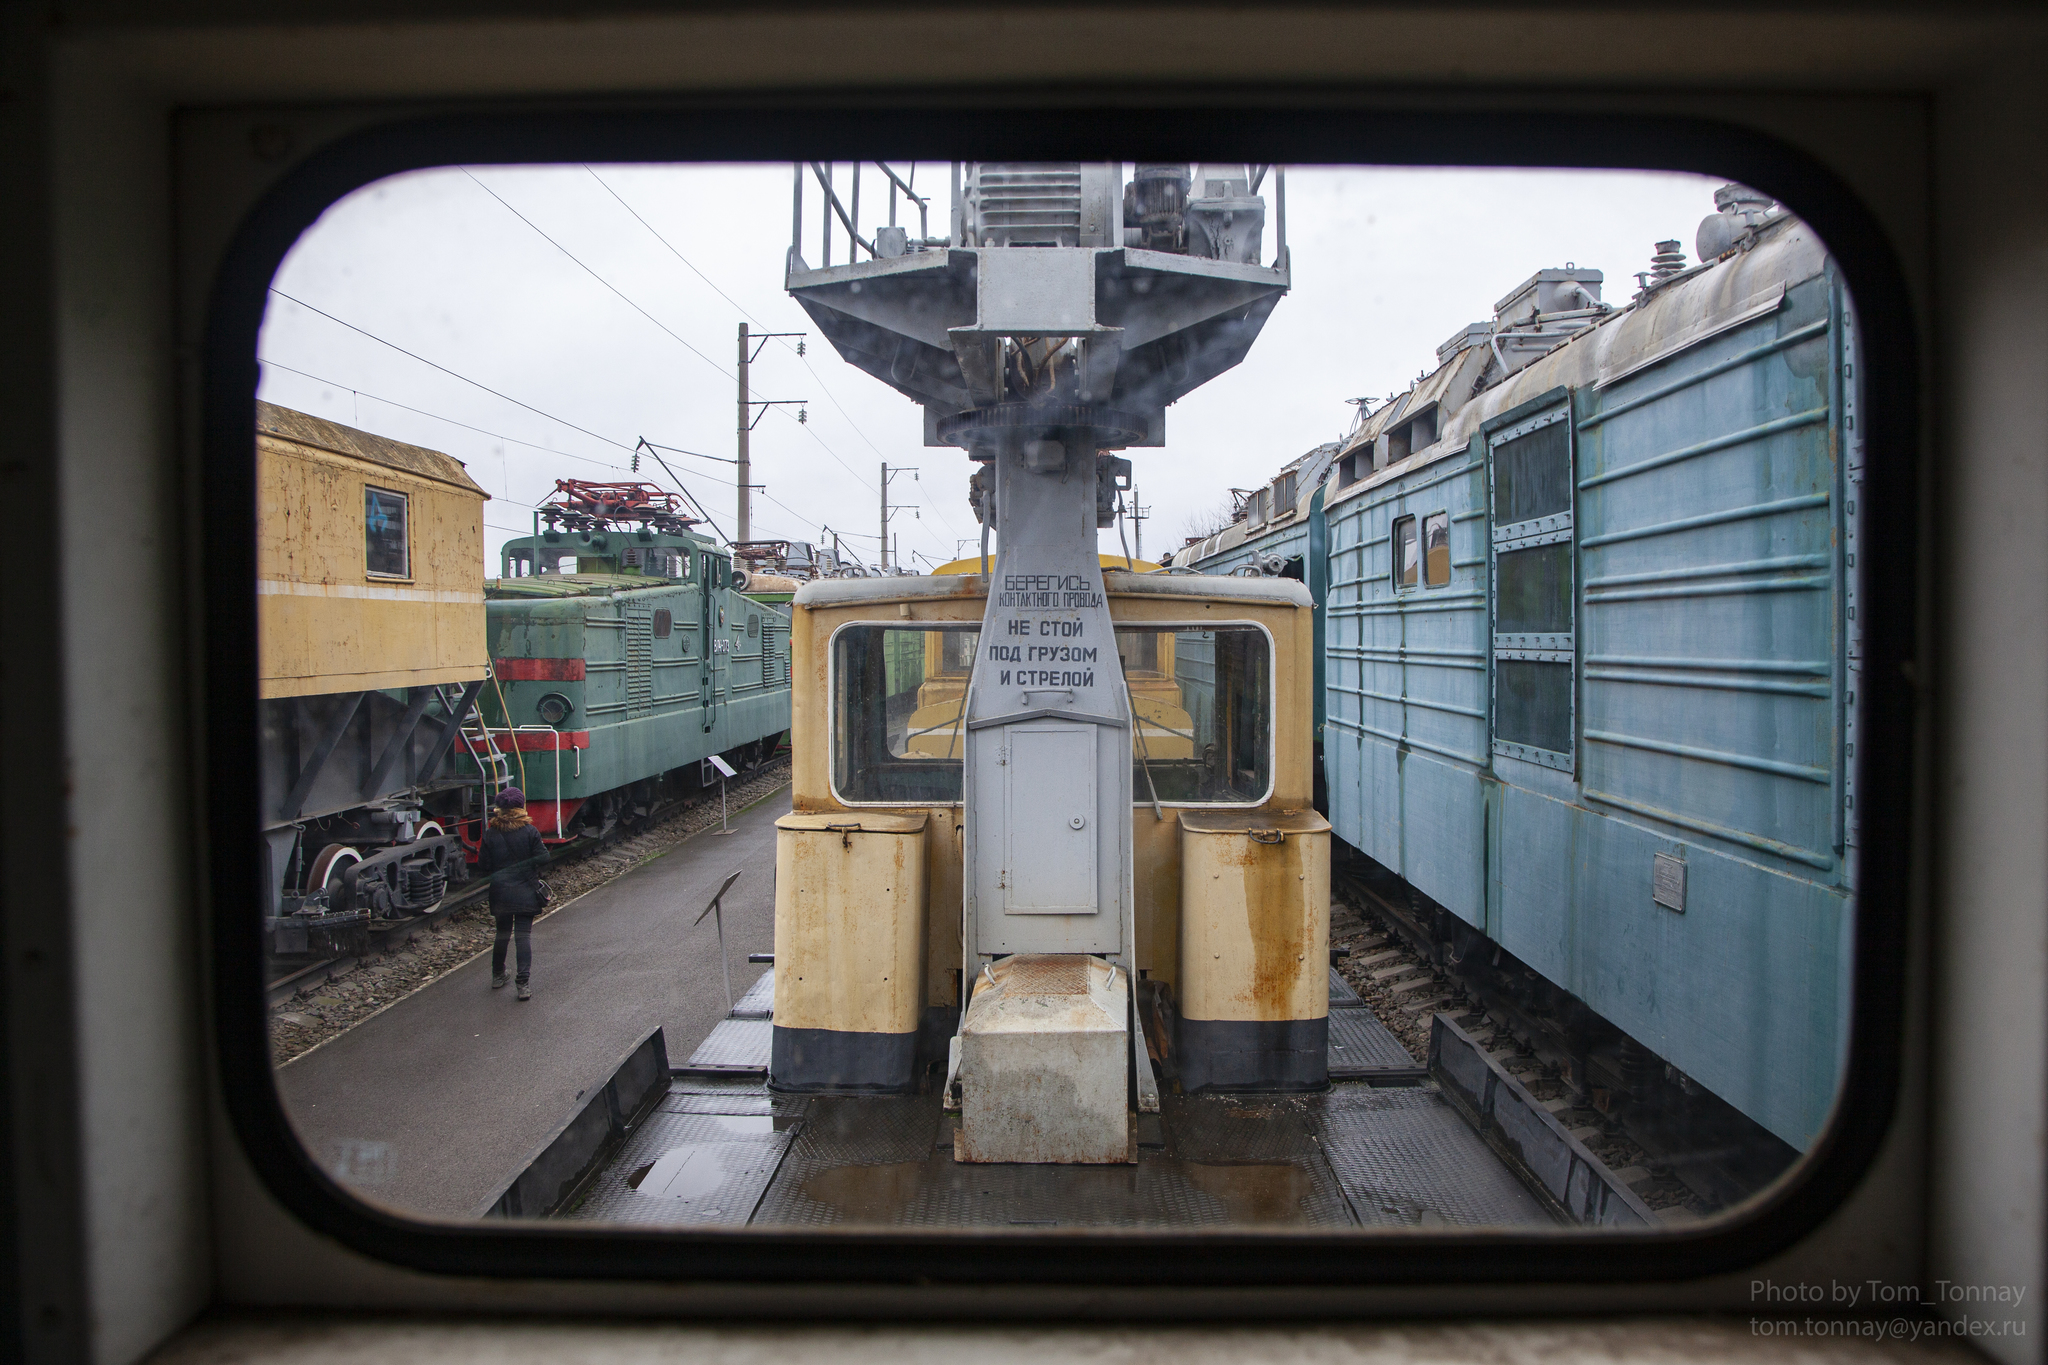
{"x":512,"y":858}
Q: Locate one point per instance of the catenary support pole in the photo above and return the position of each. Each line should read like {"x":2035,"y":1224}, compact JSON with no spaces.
{"x":746,"y":519}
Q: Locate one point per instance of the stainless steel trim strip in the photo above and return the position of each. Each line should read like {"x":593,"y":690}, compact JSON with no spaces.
{"x":1810,"y":583}
{"x":1708,"y":680}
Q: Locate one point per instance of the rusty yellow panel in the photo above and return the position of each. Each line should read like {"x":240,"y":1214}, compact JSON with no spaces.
{"x":943,"y":863}
{"x":1255,"y":915}
{"x":1155,"y":872}
{"x":849,"y":922}
{"x":1156,"y":844}
{"x":326,"y":624}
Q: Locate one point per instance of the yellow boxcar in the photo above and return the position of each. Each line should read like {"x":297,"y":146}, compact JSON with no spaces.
{"x":369,"y":560}
{"x":371,"y":651}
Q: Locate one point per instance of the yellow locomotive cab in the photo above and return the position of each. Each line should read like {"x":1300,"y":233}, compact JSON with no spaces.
{"x":1219,"y":674}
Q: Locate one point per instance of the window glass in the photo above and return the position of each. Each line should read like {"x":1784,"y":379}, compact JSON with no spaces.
{"x":1436,"y":549}
{"x":386,"y":542}
{"x":1532,"y":475}
{"x":896,"y":703}
{"x":956,"y":651}
{"x":1406,"y":559}
{"x":1533,"y":594}
{"x":1203,"y":699}
{"x":664,"y":622}
{"x":1138,"y":650}
{"x":1203,"y":702}
{"x":1533,"y":704}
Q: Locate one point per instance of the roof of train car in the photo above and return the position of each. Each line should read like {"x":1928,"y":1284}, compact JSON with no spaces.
{"x":844,"y":592}
{"x":573,"y":585}
{"x":288,"y":424}
{"x":972,"y":564}
{"x":1701,"y":302}
{"x":1240,"y":532}
{"x":1675,"y":311}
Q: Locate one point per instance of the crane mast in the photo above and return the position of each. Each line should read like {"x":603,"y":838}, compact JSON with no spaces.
{"x":1065,"y":312}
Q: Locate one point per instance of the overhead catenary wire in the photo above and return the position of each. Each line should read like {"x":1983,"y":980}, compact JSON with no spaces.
{"x":445,"y":370}
{"x":822,"y":443}
{"x":742,"y":309}
{"x":678,"y":450}
{"x":595,"y":276}
{"x":394,"y":403}
{"x":540,"y":412}
{"x":801,"y":518}
{"x":708,"y":521}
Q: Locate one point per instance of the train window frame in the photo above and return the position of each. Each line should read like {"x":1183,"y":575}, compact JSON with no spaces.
{"x":404,"y":501}
{"x":1139,"y":802}
{"x":1144,"y":802}
{"x":832,"y":691}
{"x":1300,"y":129}
{"x":1400,"y":579}
{"x":1441,"y":517}
{"x":1539,"y":648}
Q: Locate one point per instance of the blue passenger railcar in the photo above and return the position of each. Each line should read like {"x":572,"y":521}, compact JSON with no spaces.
{"x":1590,"y":671}
{"x":1589,"y":659}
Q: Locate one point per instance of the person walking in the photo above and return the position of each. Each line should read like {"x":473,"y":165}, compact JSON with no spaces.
{"x":512,"y":854}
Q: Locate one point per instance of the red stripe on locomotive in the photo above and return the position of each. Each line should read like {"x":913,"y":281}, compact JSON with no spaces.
{"x":539,"y":670}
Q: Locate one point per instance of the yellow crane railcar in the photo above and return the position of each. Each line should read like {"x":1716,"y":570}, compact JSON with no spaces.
{"x":1229,"y":943}
{"x":371,"y":650}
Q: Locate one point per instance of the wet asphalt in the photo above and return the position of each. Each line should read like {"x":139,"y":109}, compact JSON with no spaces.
{"x":433,"y":1105}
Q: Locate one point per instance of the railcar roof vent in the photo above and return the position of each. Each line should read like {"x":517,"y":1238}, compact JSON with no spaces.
{"x":1739,"y":212}
{"x":1557,"y":290}
{"x":1470,"y":335}
{"x":1537,"y":316}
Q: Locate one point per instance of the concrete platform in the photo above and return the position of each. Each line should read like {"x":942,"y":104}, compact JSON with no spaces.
{"x":429,"y":1105}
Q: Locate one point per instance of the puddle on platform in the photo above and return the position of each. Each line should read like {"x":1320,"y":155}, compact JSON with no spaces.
{"x":872,"y":1194}
{"x":695,"y":1169}
{"x":1259,"y":1193}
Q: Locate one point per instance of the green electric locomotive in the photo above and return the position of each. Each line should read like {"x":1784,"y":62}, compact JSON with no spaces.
{"x":623,"y":657}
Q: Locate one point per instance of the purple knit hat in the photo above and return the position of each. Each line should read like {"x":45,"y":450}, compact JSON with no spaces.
{"x":511,"y":796}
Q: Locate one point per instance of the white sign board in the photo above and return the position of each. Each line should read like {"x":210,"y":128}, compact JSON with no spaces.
{"x":724,"y":769}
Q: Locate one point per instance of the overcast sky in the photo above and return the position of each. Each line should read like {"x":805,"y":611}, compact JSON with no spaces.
{"x":639,"y":339}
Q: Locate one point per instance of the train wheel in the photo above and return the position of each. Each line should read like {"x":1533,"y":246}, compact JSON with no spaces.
{"x":328,"y":867}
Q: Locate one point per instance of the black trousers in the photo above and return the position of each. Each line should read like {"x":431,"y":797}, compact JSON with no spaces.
{"x":513,"y":929}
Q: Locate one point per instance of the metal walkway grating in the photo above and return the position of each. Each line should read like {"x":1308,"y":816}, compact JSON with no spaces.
{"x":759,"y":1001}
{"x":1342,"y":997}
{"x":1406,"y":1159}
{"x":735,"y":1045}
{"x":1361,"y":1047}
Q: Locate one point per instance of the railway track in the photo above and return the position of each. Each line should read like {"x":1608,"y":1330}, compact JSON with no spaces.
{"x":1404,"y":975}
{"x":567,"y":872}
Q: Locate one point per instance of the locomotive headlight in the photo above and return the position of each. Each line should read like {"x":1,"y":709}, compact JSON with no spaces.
{"x":553,"y":708}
